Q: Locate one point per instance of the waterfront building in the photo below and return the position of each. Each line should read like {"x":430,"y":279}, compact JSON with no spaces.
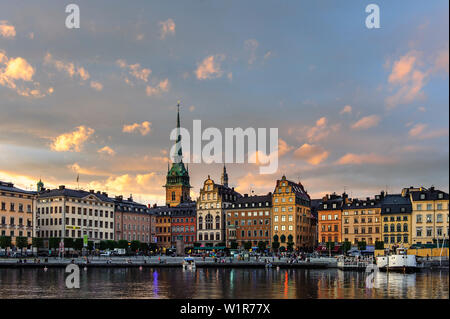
{"x":212,"y":203}
{"x":177,"y":185}
{"x":163,"y":226}
{"x":133,"y":221}
{"x":396,"y":212}
{"x":430,"y":220}
{"x":184,"y":223}
{"x":249,"y":220}
{"x":16,"y":212}
{"x":292,"y":219}
{"x":330,"y":218}
{"x":71,"y":213}
{"x":362,"y":221}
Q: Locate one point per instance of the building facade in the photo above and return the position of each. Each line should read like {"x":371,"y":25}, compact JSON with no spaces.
{"x":133,"y":221}
{"x":330,"y":218}
{"x":16,"y":212}
{"x":249,"y":220}
{"x":292,"y":219}
{"x":70,"y":213}
{"x":361,"y":221}
{"x":396,"y":213}
{"x":430,"y":220}
{"x":212,"y":203}
{"x":184,"y":223}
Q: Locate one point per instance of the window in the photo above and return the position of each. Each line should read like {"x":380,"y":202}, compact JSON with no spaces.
{"x":419,"y":218}
{"x":429,"y":206}
{"x":429,"y":218}
{"x":429,"y":231}
{"x":439,"y":206}
{"x":419,"y":207}
{"x":439,"y":218}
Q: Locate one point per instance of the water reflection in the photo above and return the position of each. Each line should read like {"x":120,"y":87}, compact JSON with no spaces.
{"x":221,"y":283}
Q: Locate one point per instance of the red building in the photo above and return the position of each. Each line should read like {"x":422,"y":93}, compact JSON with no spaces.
{"x":184,"y":223}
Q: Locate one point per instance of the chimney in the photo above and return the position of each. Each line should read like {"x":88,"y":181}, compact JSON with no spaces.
{"x":105,"y":194}
{"x":245,"y":195}
{"x":149,"y":205}
{"x":61,"y":187}
{"x":91,"y":191}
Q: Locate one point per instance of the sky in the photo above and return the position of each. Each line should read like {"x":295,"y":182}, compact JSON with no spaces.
{"x":357,"y":109}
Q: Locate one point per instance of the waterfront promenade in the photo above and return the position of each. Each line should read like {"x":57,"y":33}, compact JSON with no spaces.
{"x":165,"y":261}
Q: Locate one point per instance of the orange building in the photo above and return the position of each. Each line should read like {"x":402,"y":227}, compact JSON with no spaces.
{"x":330,"y":218}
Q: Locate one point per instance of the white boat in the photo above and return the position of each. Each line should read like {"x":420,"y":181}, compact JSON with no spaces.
{"x":189,"y":263}
{"x":400,"y":261}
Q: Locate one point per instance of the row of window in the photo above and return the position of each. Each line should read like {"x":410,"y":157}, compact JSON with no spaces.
{"x":429,"y":231}
{"x":250,"y":222}
{"x":12,"y":233}
{"x":439,"y":206}
{"x":363,"y":230}
{"x":12,"y":221}
{"x":93,"y":203}
{"x":204,"y":236}
{"x":95,"y":235}
{"x":12,"y":207}
{"x":249,"y":214}
{"x":182,"y":229}
{"x":429,"y":218}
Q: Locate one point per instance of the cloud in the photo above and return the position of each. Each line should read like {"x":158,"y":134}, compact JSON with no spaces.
{"x":251,"y":45}
{"x":268,"y":55}
{"x":358,"y":159}
{"x":6,"y":30}
{"x":107,"y":150}
{"x":162,"y":87}
{"x":135,"y":70}
{"x":87,"y":171}
{"x":72,"y":141}
{"x":366,"y":122}
{"x":167,"y":28}
{"x":411,"y":72}
{"x":144,"y":128}
{"x":346,"y":109}
{"x":96,"y":85}
{"x":283,"y":147}
{"x":313,"y":154}
{"x":67,"y":67}
{"x":16,"y":74}
{"x":316,"y":133}
{"x":419,"y":131}
{"x":422,"y":109}
{"x":191,"y":108}
{"x":210,"y":67}
{"x":259,"y":183}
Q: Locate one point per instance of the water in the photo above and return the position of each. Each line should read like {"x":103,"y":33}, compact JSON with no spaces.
{"x":221,"y":283}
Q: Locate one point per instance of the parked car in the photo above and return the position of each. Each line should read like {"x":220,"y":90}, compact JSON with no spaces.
{"x":106,"y":254}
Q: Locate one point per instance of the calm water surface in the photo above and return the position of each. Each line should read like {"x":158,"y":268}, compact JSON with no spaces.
{"x":221,"y":283}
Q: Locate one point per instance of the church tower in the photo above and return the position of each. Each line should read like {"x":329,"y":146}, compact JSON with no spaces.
{"x":224,"y":178}
{"x":177,"y":186}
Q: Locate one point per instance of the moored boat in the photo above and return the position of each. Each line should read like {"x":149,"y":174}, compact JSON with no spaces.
{"x":189,"y":263}
{"x":398,"y":261}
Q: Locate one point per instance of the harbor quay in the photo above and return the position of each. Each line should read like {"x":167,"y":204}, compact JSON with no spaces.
{"x":166,"y":261}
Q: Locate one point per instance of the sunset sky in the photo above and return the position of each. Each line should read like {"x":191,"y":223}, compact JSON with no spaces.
{"x":356,"y":108}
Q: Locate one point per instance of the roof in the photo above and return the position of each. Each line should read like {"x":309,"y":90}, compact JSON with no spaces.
{"x":75,"y":193}
{"x":128,"y":205}
{"x":9,"y":187}
{"x":183,"y":209}
{"x":395,"y":203}
{"x":429,"y":194}
{"x":362,"y":203}
{"x":301,"y":194}
{"x":255,"y":199}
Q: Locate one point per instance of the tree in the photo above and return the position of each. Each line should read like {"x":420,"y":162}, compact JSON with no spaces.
{"x":102,"y":245}
{"x":275,"y":238}
{"x":78,"y":244}
{"x":379,"y":245}
{"x":53,"y":243}
{"x":275,"y":245}
{"x":346,"y":246}
{"x":135,"y":245}
{"x":247,"y":245}
{"x":361,"y":245}
{"x":68,"y":242}
{"x":330,"y":245}
{"x":5,"y":241}
{"x":122,"y":244}
{"x":290,"y":246}
{"x":282,"y":249}
{"x":233,"y":244}
{"x":111,"y":244}
{"x":37,"y":242}
{"x":90,"y":245}
{"x":220,"y":244}
{"x":21,"y":242}
{"x":261,"y":246}
{"x":283,"y":238}
{"x":290,"y":239}
{"x":196,"y":244}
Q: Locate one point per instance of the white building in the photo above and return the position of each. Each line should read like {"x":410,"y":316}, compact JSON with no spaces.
{"x":69,"y":213}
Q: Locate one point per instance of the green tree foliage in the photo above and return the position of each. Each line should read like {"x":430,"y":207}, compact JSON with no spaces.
{"x":21,"y":242}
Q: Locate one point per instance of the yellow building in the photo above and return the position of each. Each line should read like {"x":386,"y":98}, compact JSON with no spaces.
{"x":396,"y":213}
{"x":430,"y":220}
{"x":361,"y":221}
{"x":292,"y":220}
{"x":16,"y":212}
